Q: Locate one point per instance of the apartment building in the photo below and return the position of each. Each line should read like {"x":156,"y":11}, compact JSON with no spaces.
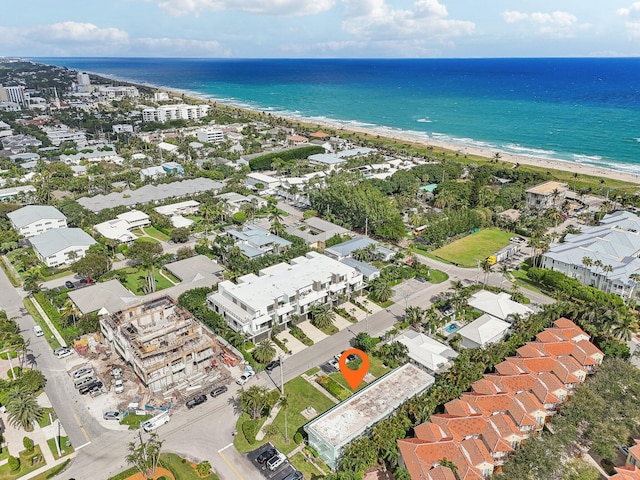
{"x":16,"y":95}
{"x":180,"y":111}
{"x":35,"y":219}
{"x":119,"y":229}
{"x":257,"y":303}
{"x":62,"y":133}
{"x":61,"y":246}
{"x":546,"y":195}
{"x":117,"y":93}
{"x":480,"y":430}
{"x":210,"y":135}
{"x":163,"y":343}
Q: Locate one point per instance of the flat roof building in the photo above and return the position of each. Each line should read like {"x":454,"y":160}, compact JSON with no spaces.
{"x":424,"y":351}
{"x":546,"y":195}
{"x":257,"y":303}
{"x":352,"y":418}
{"x":61,"y":246}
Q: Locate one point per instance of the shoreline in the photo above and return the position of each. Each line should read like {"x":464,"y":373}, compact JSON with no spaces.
{"x":401,"y":135}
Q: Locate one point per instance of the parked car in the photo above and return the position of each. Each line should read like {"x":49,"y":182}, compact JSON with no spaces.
{"x":333,"y":363}
{"x":196,"y":401}
{"x":275,"y":462}
{"x":266,"y":455}
{"x":111,"y":415}
{"x":272,"y":365}
{"x":90,"y":386}
{"x":297,"y":475}
{"x":116,"y":372}
{"x":38,"y":330}
{"x":82,"y":372}
{"x":95,"y":391}
{"x":63,"y":352}
{"x":517,"y":240}
{"x":245,"y":377}
{"x":119,"y":386}
{"x":216,"y":392}
{"x":69,"y":284}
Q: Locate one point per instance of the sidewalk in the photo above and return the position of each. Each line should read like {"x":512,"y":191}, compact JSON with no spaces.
{"x":48,"y":322}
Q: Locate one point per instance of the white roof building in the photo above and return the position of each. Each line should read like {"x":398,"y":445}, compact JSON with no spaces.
{"x":120,"y":228}
{"x":35,"y":219}
{"x":254,"y":179}
{"x":483,"y":331}
{"x":61,"y":246}
{"x":181,"y":208}
{"x":152,"y":173}
{"x":352,"y":418}
{"x":615,"y":243}
{"x":498,"y":305}
{"x":257,"y":303}
{"x":433,"y":356}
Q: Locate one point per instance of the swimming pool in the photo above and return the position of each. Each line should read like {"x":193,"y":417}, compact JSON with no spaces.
{"x":452,"y":327}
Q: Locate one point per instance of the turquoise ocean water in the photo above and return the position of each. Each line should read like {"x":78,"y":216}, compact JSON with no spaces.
{"x":579,"y":110}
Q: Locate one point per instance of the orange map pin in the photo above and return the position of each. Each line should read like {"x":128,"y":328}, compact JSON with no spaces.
{"x":353,"y":377}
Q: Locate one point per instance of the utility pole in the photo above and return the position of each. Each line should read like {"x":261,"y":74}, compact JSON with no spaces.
{"x":58,"y":438}
{"x":281,"y":374}
{"x":366,"y":226}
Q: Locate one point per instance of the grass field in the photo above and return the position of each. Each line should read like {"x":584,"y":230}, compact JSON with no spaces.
{"x":475,"y":247}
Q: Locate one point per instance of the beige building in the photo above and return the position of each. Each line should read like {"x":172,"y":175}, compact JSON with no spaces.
{"x":546,"y":195}
{"x":164,"y":344}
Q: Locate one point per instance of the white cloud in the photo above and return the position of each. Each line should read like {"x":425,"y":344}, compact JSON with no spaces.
{"x":633,"y":23}
{"x":72,"y":38}
{"x":427,"y":21}
{"x":181,"y":47}
{"x":258,"y":7}
{"x":557,"y":24}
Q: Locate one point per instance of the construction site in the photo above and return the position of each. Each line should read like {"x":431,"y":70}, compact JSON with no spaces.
{"x":171,"y":353}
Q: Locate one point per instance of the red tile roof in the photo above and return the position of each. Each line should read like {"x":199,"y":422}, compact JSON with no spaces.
{"x":626,"y":473}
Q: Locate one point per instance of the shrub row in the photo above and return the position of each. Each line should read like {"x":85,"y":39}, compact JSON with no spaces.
{"x":333,"y":387}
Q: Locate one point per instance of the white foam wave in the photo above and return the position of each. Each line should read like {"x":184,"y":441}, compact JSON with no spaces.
{"x":528,"y":150}
{"x":581,"y":158}
{"x":424,"y":120}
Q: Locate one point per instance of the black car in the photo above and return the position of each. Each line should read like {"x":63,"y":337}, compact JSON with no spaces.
{"x":275,"y":364}
{"x":196,"y":401}
{"x":69,"y":284}
{"x":89,"y":387}
{"x":266,"y":455}
{"x":218,"y":391}
{"x":297,"y":475}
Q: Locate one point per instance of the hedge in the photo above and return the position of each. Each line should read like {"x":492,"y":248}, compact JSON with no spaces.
{"x":333,"y":387}
{"x":263,"y":162}
{"x":250,"y":429}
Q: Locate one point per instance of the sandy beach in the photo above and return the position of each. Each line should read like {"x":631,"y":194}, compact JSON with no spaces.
{"x":487,"y":153}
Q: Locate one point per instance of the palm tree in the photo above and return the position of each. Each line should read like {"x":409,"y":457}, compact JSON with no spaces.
{"x":588,"y":263}
{"x":636,"y":278}
{"x":504,"y":270}
{"x":414,"y":314}
{"x":445,"y":199}
{"x":381,"y":290}
{"x":264,"y":351}
{"x":486,"y":268}
{"x":322,"y":316}
{"x":607,"y":269}
{"x":23,"y":409}
{"x":32,"y":279}
{"x":623,"y":326}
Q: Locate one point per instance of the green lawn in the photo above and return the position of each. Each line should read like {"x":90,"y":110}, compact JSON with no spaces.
{"x":45,"y":420}
{"x":155,"y":233}
{"x":134,"y":421}
{"x":467,"y":251}
{"x":64,"y":450}
{"x":182,"y":470}
{"x":26,"y":465}
{"x":52,"y":472}
{"x":307,"y":468}
{"x":133,"y":280}
{"x":437,"y":276}
{"x":301,"y":395}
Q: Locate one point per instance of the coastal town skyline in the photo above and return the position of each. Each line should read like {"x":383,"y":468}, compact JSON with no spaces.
{"x":322,"y":28}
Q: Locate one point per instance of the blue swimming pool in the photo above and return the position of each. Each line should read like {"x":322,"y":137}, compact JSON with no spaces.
{"x":452,"y":327}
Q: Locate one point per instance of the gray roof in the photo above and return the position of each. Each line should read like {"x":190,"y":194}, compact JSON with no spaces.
{"x":364,"y":268}
{"x":149,"y":193}
{"x":258,"y":237}
{"x":195,"y":268}
{"x":345,"y":249}
{"x":53,"y":241}
{"x":33,"y":213}
{"x":110,"y":295}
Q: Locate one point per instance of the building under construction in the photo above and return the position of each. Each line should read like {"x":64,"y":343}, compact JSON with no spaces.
{"x":165,"y":345}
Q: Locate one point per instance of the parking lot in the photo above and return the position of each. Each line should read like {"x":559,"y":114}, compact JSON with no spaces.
{"x":279,"y":473}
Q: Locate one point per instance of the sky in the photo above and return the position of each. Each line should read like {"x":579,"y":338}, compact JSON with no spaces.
{"x":320,"y":28}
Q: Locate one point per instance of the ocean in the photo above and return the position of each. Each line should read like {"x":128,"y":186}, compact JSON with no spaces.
{"x":584,"y":110}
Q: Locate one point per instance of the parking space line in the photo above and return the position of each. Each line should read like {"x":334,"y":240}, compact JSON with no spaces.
{"x":235,"y":470}
{"x":224,"y":448}
{"x":82,"y":446}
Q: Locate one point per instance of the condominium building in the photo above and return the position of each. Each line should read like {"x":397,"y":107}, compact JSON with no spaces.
{"x":61,"y":246}
{"x":117,"y":93}
{"x":606,"y":256}
{"x":163,"y":343}
{"x":14,"y":95}
{"x":174,"y":112}
{"x":34,"y":219}
{"x":257,"y":303}
{"x":210,"y":135}
{"x":62,"y":133}
{"x":546,"y":195}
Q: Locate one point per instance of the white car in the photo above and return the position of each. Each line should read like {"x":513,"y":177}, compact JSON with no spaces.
{"x":38,"y":331}
{"x":116,"y":372}
{"x":245,"y":377}
{"x":119,"y":386}
{"x":63,"y":352}
{"x":82,"y":372}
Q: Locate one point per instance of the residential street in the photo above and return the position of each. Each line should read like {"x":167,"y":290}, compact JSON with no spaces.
{"x":205,"y":433}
